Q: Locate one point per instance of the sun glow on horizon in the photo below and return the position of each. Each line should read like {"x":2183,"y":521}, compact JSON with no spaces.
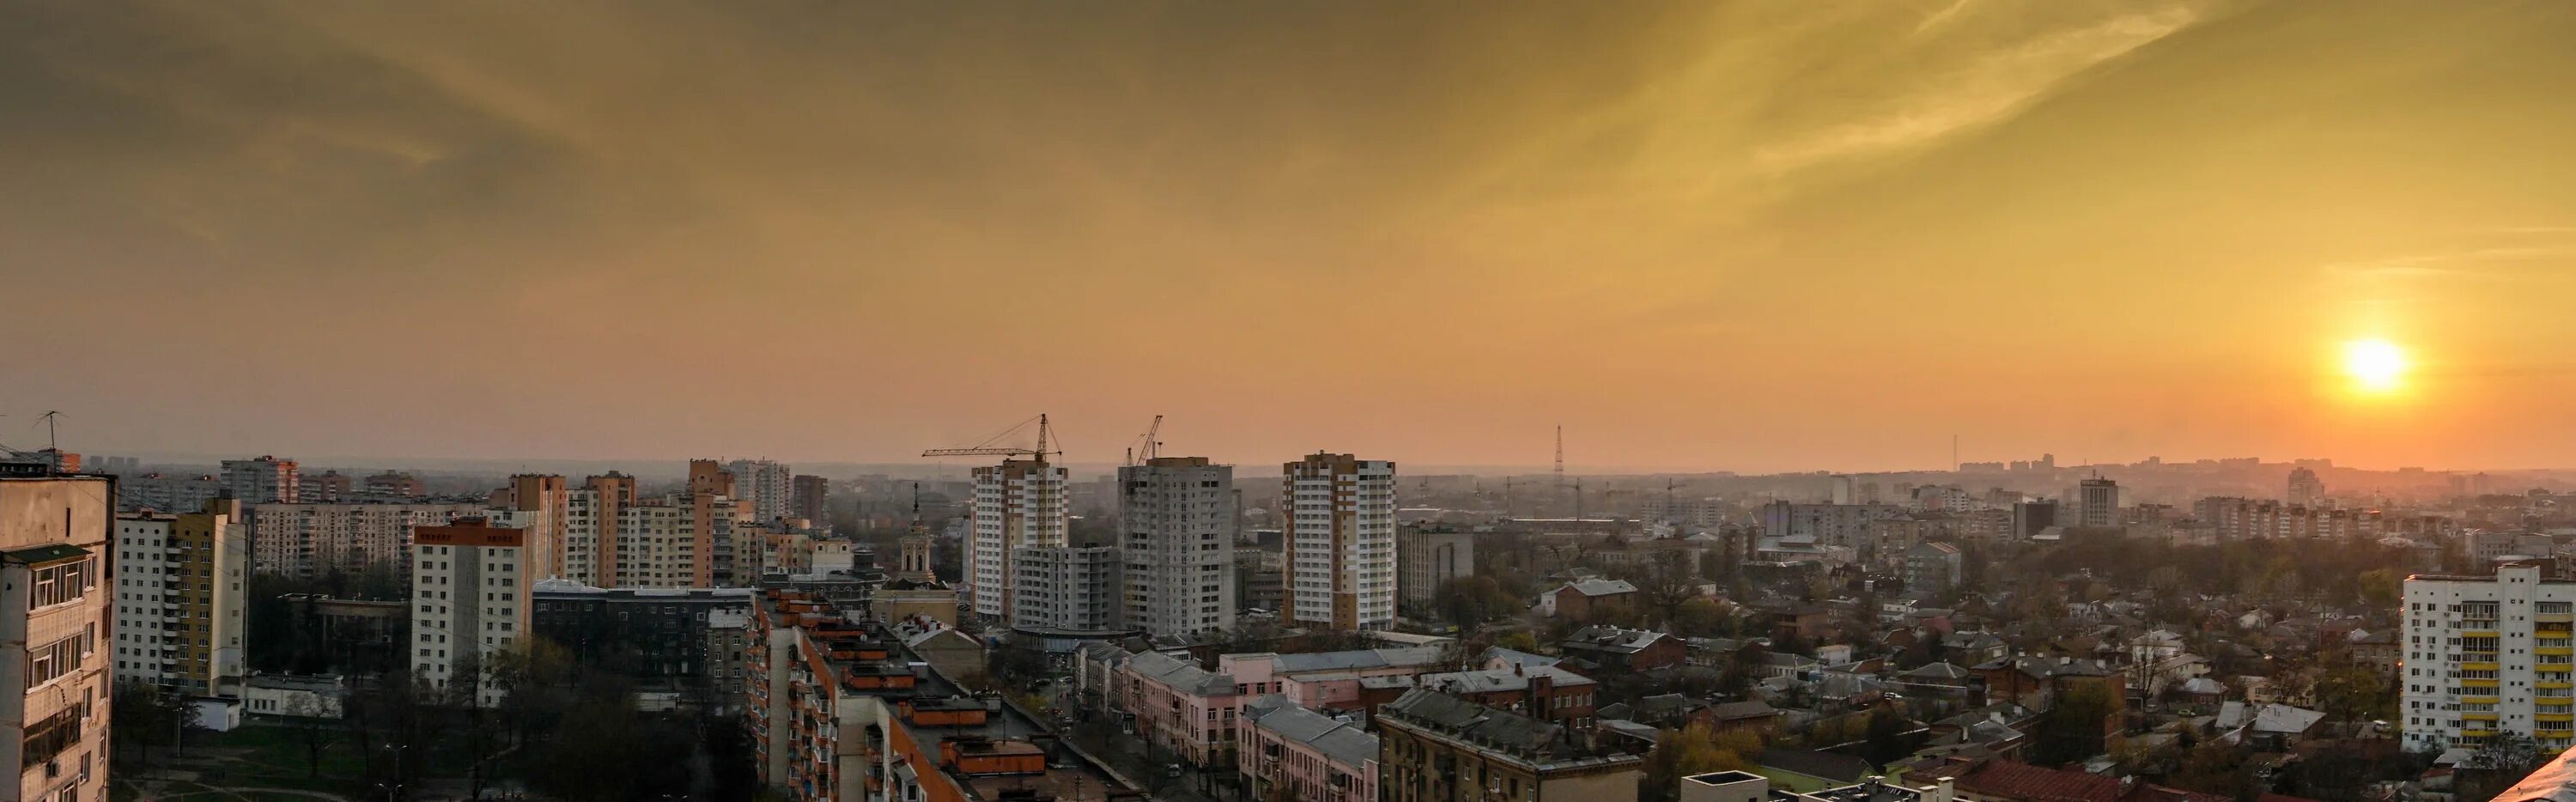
{"x":2375,"y":365}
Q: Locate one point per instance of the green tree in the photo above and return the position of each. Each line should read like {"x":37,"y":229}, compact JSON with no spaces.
{"x":1699,"y":618}
{"x":2073,"y":728}
{"x":1685,"y":752}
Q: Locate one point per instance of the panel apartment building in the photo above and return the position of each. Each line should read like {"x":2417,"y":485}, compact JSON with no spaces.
{"x":55,"y":550}
{"x":1177,"y":532}
{"x":180,"y":595}
{"x":2488,"y":655}
{"x":472,"y":599}
{"x":1017,"y":503}
{"x":1339,"y":541}
{"x":310,"y":540}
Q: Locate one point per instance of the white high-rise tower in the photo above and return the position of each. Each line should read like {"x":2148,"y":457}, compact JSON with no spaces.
{"x":1340,"y":539}
{"x":1177,"y":535}
{"x":1017,"y":503}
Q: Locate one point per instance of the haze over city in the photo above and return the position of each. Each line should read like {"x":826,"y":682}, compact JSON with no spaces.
{"x":1706,"y":236}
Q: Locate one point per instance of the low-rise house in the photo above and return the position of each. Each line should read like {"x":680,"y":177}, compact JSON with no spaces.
{"x":1744,"y":715}
{"x":1973,"y":648}
{"x":2377,"y":650}
{"x":1664,"y":710}
{"x":1584,"y":599}
{"x":1622,"y":650}
{"x":1804,"y":768}
{"x":2038,"y":682}
{"x":1290,"y":752}
{"x":300,"y":696}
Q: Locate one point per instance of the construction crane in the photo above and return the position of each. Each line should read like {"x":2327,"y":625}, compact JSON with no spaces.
{"x":1146,"y":447}
{"x":987,"y":449}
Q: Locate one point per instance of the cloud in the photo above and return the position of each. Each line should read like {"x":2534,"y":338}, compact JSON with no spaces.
{"x":1989,"y":88}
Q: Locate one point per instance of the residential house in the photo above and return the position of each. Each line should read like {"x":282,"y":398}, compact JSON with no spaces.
{"x":1622,"y":650}
{"x":1586,"y":599}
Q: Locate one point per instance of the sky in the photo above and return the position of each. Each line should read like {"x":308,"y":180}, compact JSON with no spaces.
{"x":1753,"y":236}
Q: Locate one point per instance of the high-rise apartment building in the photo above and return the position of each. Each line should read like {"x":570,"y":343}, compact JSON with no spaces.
{"x":1177,"y":530}
{"x":591,"y":516}
{"x":324,"y":487}
{"x":1840,"y":525}
{"x":1066,"y":588}
{"x":2306,"y":490}
{"x":471,"y":601}
{"x":2097,"y":503}
{"x":766,"y":488}
{"x":546,"y":499}
{"x":2488,"y":655}
{"x":1339,"y":541}
{"x":812,"y":501}
{"x":156,"y":491}
{"x":395,"y":484}
{"x":56,"y":544}
{"x":1017,"y":503}
{"x":267,"y":480}
{"x":1426,"y":556}
{"x":180,"y":599}
{"x":711,"y":499}
{"x":311,"y":540}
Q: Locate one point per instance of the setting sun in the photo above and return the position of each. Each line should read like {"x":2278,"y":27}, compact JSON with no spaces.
{"x":2375,"y":365}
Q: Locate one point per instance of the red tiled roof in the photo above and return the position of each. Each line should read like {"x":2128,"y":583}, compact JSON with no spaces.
{"x":2028,"y":783}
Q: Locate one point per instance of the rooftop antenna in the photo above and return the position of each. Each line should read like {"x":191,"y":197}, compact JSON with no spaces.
{"x":50,"y":441}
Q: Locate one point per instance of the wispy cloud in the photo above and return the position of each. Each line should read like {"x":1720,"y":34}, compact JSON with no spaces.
{"x":1988,"y":90}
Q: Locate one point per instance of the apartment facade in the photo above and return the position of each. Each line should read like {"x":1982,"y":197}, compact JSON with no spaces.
{"x":767,"y":488}
{"x":267,"y":480}
{"x":812,"y":500}
{"x":2097,"y":503}
{"x":1177,"y":530}
{"x":1339,"y":542}
{"x":1290,"y":752}
{"x":472,"y":596}
{"x":592,"y":513}
{"x":1433,"y":747}
{"x":156,"y":491}
{"x":310,"y":540}
{"x":180,"y":599}
{"x":56,"y":549}
{"x":2487,"y":655}
{"x":1017,"y":503}
{"x":1065,"y":589}
{"x":677,"y":638}
{"x":1426,"y":556}
{"x":544,"y":504}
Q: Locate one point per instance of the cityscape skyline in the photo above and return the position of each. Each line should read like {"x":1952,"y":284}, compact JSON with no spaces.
{"x":1669,"y":230}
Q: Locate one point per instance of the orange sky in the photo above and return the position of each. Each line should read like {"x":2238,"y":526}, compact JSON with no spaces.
{"x":1760,"y":236}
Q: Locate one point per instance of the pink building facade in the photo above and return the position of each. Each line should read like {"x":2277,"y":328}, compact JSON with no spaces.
{"x":1181,"y":706}
{"x":1290,"y":752}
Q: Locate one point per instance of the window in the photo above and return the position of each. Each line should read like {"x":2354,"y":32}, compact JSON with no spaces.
{"x":47,"y":662}
{"x":63,"y":582}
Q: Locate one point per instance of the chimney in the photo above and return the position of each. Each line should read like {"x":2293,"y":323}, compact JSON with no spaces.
{"x":1516,"y":669}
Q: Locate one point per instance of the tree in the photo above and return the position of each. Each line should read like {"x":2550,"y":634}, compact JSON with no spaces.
{"x":142,"y":715}
{"x":2355,"y":693}
{"x":1471,"y":600}
{"x":1883,"y":740}
{"x":2073,"y":728}
{"x":1685,"y":752}
{"x":305,"y":719}
{"x":1518,"y":640}
{"x":1699,"y":618}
